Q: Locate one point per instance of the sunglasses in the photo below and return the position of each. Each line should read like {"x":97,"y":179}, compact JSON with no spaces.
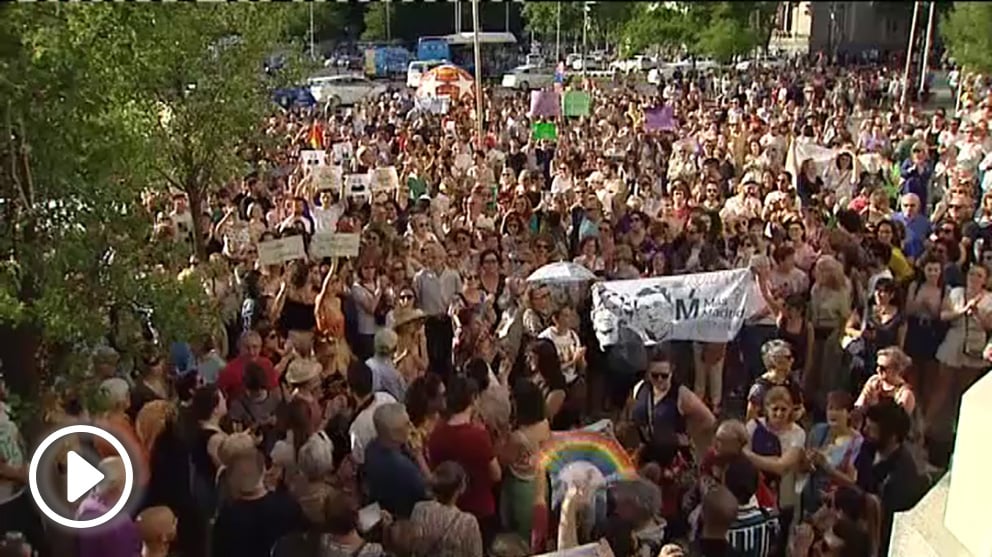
{"x":406,"y":296}
{"x":661,"y":375}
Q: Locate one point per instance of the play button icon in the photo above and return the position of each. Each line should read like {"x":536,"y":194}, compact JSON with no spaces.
{"x":81,"y":477}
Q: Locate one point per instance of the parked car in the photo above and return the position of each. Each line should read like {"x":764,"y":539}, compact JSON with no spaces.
{"x":343,"y":90}
{"x":417,"y":68}
{"x":667,"y":71}
{"x":639,"y":63}
{"x":528,"y":77}
{"x":590,"y":63}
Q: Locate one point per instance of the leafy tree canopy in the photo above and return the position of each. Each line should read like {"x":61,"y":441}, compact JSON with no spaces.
{"x":965,"y":30}
{"x":103,"y":103}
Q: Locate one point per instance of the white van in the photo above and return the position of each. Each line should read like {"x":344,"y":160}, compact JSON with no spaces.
{"x":418,"y":68}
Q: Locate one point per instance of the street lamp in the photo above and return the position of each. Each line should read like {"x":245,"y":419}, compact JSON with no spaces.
{"x":478,"y":70}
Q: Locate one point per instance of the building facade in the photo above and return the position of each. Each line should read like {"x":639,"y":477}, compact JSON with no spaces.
{"x":842,"y":27}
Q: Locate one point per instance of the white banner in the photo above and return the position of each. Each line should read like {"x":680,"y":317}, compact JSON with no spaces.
{"x":336,"y":244}
{"x":708,"y":307}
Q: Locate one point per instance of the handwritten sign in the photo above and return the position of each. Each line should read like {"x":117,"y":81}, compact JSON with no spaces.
{"x":330,"y":244}
{"x":545,"y":103}
{"x":358,"y":185}
{"x":576,"y":103}
{"x":274,"y":252}
{"x":343,"y":151}
{"x":544,"y":130}
{"x":312,"y":158}
{"x":328,"y":177}
{"x":659,"y":119}
{"x":385,"y":178}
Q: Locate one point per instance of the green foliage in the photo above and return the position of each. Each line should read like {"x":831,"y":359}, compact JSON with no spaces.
{"x":718,"y":29}
{"x":965,"y":30}
{"x":379,"y":19}
{"x":541,"y":18}
{"x":82,"y":89}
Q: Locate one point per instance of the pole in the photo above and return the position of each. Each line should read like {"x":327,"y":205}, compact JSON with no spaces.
{"x":957,"y":95}
{"x":585,"y":25}
{"x":558,"y":32}
{"x":458,"y":16}
{"x":506,"y":24}
{"x":909,"y":55}
{"x":927,"y":45}
{"x":389,"y":31}
{"x":313,"y":50}
{"x":478,"y":71}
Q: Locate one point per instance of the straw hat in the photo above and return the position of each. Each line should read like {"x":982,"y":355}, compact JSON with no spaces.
{"x":302,"y":371}
{"x":403,"y":316}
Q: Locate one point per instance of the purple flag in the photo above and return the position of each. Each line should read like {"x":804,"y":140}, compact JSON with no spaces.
{"x":546,"y":103}
{"x":659,"y":119}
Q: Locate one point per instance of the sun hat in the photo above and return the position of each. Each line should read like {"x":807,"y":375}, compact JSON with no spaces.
{"x":403,"y":316}
{"x":302,"y":371}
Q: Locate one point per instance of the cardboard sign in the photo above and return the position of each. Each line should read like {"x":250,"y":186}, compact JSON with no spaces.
{"x":343,"y":151}
{"x":659,"y":119}
{"x":328,"y":177}
{"x":274,"y":252}
{"x":385,"y":179}
{"x":545,"y":103}
{"x":358,"y":185}
{"x":576,"y":103}
{"x":331,"y":244}
{"x":312,"y":158}
{"x":544,"y":130}
{"x":588,"y":550}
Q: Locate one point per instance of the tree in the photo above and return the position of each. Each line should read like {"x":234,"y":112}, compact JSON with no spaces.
{"x":542,"y":18}
{"x":84,"y":137}
{"x":718,"y":29}
{"x":379,"y":18}
{"x":965,"y":30}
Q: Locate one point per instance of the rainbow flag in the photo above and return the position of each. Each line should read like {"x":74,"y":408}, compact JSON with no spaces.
{"x":316,"y":136}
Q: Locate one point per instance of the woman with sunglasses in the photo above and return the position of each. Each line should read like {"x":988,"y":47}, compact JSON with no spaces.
{"x":661,"y":403}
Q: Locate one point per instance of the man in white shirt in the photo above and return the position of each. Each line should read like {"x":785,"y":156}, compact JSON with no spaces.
{"x":362,"y":429}
{"x":326,"y":215}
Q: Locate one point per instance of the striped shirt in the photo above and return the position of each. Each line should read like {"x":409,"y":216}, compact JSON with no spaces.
{"x":756,"y":530}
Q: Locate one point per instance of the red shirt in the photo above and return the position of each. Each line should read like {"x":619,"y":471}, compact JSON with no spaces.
{"x":468,"y":445}
{"x":230,"y":380}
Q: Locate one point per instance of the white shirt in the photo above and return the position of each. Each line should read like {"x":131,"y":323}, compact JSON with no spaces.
{"x":326,"y":220}
{"x":362,"y":430}
{"x":567,"y":345}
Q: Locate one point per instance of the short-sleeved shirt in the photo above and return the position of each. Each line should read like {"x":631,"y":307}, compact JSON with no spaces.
{"x":470,"y":446}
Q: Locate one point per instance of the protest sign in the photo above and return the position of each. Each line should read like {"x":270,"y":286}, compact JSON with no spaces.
{"x":801,"y":149}
{"x":660,"y":119}
{"x":331,"y":244}
{"x":544,"y":130}
{"x":576,"y":103}
{"x":342,"y":151}
{"x":706,"y":307}
{"x":385,"y":178}
{"x":545,"y":104}
{"x":312,"y":158}
{"x":274,"y":252}
{"x":328,"y":178}
{"x":433,"y":105}
{"x":358,"y":185}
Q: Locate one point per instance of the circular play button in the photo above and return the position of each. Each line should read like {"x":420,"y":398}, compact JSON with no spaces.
{"x":82,"y":475}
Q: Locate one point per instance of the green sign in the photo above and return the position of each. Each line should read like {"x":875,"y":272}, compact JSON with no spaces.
{"x":576,"y":103}
{"x":544,"y":130}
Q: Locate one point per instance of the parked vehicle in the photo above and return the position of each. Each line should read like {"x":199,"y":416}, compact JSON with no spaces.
{"x":416,"y":70}
{"x":639,"y":63}
{"x":343,"y":90}
{"x":528,"y":77}
{"x":386,"y":61}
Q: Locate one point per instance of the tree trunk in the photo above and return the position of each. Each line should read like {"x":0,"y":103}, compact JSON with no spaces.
{"x":194,"y":194}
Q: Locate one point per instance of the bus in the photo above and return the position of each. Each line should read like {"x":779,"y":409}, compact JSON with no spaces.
{"x":498,"y":51}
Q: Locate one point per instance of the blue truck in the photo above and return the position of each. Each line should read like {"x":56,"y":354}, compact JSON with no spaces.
{"x":386,"y":61}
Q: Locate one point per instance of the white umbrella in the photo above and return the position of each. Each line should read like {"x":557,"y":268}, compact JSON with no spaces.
{"x":562,"y":272}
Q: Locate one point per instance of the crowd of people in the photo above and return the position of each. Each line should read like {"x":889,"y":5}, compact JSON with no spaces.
{"x":396,"y":403}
